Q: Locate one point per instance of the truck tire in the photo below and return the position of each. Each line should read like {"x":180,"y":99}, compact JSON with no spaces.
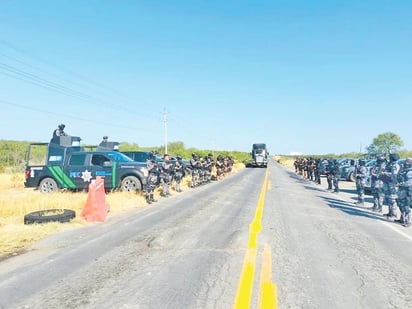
{"x":131,"y":184}
{"x":48,"y":185}
{"x":50,"y":215}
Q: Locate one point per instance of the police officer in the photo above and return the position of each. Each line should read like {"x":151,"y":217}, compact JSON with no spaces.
{"x":377,"y":183}
{"x":328,"y":172}
{"x":152,"y":178}
{"x":333,"y":175}
{"x":59,"y":131}
{"x":405,"y":192}
{"x":316,"y":171}
{"x":360,"y":174}
{"x":166,"y":175}
{"x":195,"y":167}
{"x":179,"y":173}
{"x":389,"y":177}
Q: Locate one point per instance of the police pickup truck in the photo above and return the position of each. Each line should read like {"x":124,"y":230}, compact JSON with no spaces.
{"x":65,"y":165}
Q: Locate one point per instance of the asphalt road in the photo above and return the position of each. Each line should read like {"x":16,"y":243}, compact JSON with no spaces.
{"x":189,"y":251}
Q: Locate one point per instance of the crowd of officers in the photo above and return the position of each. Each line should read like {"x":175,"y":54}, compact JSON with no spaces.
{"x":199,"y":170}
{"x":391,"y":182}
{"x":312,"y":169}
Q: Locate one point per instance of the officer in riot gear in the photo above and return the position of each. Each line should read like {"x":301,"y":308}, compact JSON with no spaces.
{"x":195,"y":166}
{"x":335,"y":175}
{"x":316,"y":171}
{"x":166,"y":175}
{"x":377,"y":183}
{"x":179,"y":173}
{"x":360,"y":174}
{"x":59,"y":131}
{"x":333,"y":172}
{"x":220,"y":165}
{"x":389,"y":177}
{"x":405,"y":192}
{"x":328,"y":173}
{"x":152,"y":178}
{"x":209,"y":164}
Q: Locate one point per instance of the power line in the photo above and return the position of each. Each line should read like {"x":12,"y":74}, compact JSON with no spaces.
{"x":39,"y":81}
{"x":72,"y":116}
{"x":102,"y":86}
{"x":34,"y":79}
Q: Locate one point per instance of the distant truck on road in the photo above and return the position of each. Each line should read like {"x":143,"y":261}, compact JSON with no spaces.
{"x":259,"y":155}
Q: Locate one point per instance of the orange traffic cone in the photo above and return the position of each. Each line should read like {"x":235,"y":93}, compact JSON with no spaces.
{"x":95,"y":208}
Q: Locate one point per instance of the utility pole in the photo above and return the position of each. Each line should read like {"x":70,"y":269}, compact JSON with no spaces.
{"x":165,"y":127}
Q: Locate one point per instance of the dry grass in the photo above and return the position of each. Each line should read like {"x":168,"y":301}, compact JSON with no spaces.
{"x":285,"y":161}
{"x":17,"y":201}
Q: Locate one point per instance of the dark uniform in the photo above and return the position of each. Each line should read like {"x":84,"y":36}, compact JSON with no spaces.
{"x":405,"y":192}
{"x":166,"y":175}
{"x":59,"y":131}
{"x":333,"y":171}
{"x":377,"y":183}
{"x":152,"y":178}
{"x":179,"y":173}
{"x":360,"y":174}
{"x":390,"y":175}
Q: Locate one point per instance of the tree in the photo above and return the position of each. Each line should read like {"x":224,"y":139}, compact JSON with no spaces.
{"x":386,"y":143}
{"x":176,"y":147}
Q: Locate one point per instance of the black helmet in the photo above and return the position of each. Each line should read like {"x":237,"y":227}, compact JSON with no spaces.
{"x":179,"y":158}
{"x":362,"y":162}
{"x":194,"y":155}
{"x":394,"y":157}
{"x":61,"y":126}
{"x":408,"y":162}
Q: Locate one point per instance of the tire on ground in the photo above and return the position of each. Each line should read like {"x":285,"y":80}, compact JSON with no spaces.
{"x":50,"y":215}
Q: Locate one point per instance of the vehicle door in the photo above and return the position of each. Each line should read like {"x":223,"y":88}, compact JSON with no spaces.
{"x":78,"y":171}
{"x":102,"y":165}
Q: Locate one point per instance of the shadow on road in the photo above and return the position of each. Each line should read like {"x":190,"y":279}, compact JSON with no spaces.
{"x":314,"y":188}
{"x":352,"y":191}
{"x":352,"y":210}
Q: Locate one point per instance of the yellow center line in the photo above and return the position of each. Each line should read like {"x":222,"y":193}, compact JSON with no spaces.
{"x":245,"y":286}
{"x":267,"y":288}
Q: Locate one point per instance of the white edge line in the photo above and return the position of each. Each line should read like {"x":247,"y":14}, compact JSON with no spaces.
{"x":390,"y":225}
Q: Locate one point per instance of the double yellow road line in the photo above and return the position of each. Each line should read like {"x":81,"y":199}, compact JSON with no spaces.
{"x":267,"y":289}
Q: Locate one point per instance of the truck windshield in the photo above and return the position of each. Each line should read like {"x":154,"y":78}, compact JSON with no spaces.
{"x":119,"y":157}
{"x":259,"y":146}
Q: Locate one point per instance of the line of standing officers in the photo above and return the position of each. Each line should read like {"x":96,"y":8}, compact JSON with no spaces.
{"x":199,"y":168}
{"x":392,"y":183}
{"x":312,"y":169}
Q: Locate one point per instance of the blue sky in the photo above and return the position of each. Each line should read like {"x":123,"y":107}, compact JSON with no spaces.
{"x":310,"y":76}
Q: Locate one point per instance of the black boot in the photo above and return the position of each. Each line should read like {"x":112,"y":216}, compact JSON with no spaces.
{"x":148,"y":200}
{"x":152,"y":198}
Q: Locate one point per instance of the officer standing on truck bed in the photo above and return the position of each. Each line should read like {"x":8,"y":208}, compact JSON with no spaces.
{"x":59,"y":131}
